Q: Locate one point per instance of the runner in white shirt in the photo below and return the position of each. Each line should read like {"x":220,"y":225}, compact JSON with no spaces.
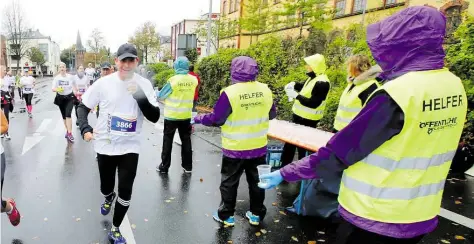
{"x":125,"y":98}
{"x":65,"y":88}
{"x":90,"y":73}
{"x":6,"y":100}
{"x":28,"y":84}
{"x":11,"y":81}
{"x":82,"y":83}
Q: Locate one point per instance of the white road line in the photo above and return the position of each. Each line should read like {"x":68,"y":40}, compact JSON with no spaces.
{"x":44,"y":125}
{"x":469,"y":223}
{"x":30,"y":142}
{"x":126,"y":230}
{"x":470,"y":171}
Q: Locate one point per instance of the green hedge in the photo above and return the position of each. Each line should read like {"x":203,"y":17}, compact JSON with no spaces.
{"x":162,"y":77}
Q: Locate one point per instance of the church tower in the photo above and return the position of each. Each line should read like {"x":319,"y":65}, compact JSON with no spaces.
{"x":80,"y":50}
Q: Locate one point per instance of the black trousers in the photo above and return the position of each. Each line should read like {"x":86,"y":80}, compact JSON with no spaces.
{"x":28,"y":97}
{"x":126,"y":165}
{"x":351,"y":234}
{"x":184,"y":130}
{"x":232,"y":170}
{"x":20,"y":92}
{"x":289,"y":149}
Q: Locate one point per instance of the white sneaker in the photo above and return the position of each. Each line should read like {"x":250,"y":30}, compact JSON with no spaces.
{"x":7,"y":136}
{"x":187,"y":171}
{"x":2,"y":136}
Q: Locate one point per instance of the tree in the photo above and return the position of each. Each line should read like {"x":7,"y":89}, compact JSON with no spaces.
{"x":36,"y":56}
{"x":146,"y":39}
{"x":307,"y":12}
{"x":16,"y":30}
{"x":96,"y":42}
{"x":255,"y":18}
{"x":191,"y":54}
{"x":67,"y":55}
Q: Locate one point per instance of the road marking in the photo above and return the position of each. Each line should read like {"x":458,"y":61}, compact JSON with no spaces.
{"x":126,"y":230}
{"x":470,"y":171}
{"x":469,"y":223}
{"x":30,"y":142}
{"x":44,"y":125}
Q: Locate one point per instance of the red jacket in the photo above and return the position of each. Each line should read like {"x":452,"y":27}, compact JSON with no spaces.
{"x":196,"y":93}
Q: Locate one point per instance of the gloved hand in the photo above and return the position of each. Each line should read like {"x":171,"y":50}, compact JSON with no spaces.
{"x":290,"y":85}
{"x":271,"y":180}
{"x":59,"y":89}
{"x":291,"y":93}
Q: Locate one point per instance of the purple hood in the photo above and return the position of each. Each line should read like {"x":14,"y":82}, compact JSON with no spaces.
{"x":243,"y":69}
{"x":411,"y":40}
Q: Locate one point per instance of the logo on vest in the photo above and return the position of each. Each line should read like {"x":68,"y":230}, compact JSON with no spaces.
{"x":248,"y":96}
{"x":439,"y":124}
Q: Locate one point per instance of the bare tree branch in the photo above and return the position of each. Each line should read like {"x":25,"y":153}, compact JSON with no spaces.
{"x":17,"y":31}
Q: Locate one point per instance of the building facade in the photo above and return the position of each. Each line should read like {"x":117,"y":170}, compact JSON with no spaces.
{"x":345,"y":13}
{"x":80,"y":51}
{"x":49,"y":48}
{"x":190,"y":26}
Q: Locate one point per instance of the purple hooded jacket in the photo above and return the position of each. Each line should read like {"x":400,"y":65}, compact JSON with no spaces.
{"x":243,"y":69}
{"x":408,"y":41}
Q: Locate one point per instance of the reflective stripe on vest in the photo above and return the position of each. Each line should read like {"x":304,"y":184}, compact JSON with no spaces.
{"x":402,"y":181}
{"x":392,"y":193}
{"x":246,"y":122}
{"x":350,"y":104}
{"x":246,"y":127}
{"x":310,"y":113}
{"x":179,"y":104}
{"x":244,"y":136}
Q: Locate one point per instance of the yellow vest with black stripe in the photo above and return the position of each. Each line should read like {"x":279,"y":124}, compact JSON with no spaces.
{"x":350,"y":104}
{"x":402,"y":181}
{"x":179,"y":104}
{"x":247,"y":126}
{"x":310,"y":113}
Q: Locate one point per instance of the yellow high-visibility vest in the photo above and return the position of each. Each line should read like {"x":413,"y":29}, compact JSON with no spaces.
{"x":350,"y":104}
{"x":179,"y":104}
{"x":310,"y":113}
{"x":402,"y":181}
{"x":247,"y":126}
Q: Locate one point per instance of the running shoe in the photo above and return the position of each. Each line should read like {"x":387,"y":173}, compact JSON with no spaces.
{"x":117,"y":237}
{"x":228,"y":222}
{"x":7,"y":136}
{"x":161,"y":170}
{"x":2,"y":136}
{"x":107,"y":205}
{"x":14,"y":216}
{"x":253,"y":219}
{"x":69,"y":137}
{"x":30,"y":115}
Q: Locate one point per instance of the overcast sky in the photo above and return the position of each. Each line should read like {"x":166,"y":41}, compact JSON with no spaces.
{"x":116,"y":19}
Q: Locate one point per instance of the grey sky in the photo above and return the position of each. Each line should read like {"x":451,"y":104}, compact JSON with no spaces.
{"x":116,"y":19}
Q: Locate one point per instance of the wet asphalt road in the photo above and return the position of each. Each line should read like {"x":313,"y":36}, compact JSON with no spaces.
{"x":56,"y":186}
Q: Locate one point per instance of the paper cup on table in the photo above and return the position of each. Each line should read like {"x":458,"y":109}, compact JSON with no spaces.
{"x":262,"y":170}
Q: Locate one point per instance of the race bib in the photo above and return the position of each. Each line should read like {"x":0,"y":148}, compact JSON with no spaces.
{"x":82,"y":90}
{"x":63,"y":83}
{"x":123,"y":126}
{"x":28,"y":89}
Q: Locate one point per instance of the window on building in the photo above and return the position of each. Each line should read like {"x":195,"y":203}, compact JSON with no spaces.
{"x":224,"y":8}
{"x":390,"y":2}
{"x":43,"y":47}
{"x":340,"y":7}
{"x":232,"y":6}
{"x":358,"y":6}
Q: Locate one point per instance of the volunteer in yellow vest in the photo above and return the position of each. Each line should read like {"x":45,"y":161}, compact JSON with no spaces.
{"x":243,"y":111}
{"x":396,"y":153}
{"x":178,"y":94}
{"x":361,"y":83}
{"x":310,"y":103}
